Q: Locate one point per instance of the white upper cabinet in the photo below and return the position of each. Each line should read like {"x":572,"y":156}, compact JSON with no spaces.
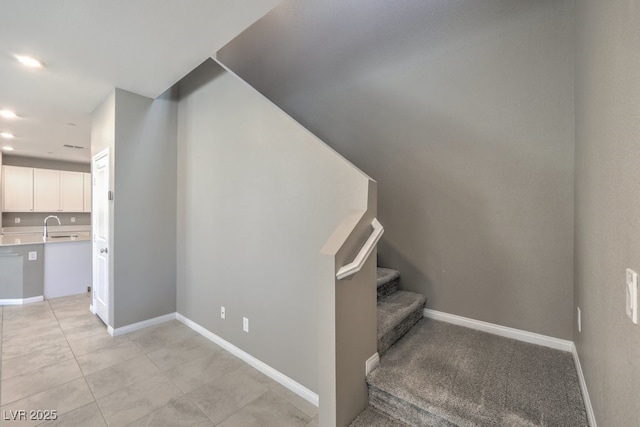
{"x":46,"y":190}
{"x":17,"y":189}
{"x":71,"y":191}
{"x":87,"y":191}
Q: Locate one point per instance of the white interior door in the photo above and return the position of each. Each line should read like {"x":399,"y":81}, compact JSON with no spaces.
{"x":100,"y":220}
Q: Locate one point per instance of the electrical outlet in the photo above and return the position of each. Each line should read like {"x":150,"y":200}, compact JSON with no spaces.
{"x":17,"y":220}
{"x":33,"y":256}
{"x":223,"y":314}
{"x":579,"y":320}
{"x":73,"y":219}
{"x":632,"y":295}
{"x":245,"y":324}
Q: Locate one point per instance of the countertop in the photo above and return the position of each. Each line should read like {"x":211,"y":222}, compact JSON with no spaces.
{"x":13,"y":239}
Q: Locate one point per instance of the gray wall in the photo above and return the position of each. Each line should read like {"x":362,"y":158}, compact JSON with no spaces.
{"x":258,"y":196}
{"x":24,"y":277}
{"x":28,"y":219}
{"x":141,"y":134}
{"x":463,"y":113}
{"x":144,"y":245}
{"x":34,"y":162}
{"x":608,"y":203}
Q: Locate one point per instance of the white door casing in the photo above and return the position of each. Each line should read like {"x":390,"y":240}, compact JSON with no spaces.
{"x":100,"y":221}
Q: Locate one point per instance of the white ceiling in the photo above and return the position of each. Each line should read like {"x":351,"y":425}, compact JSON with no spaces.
{"x":91,"y":46}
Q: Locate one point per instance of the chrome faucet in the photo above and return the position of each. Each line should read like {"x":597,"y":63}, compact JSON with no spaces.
{"x":45,"y":233}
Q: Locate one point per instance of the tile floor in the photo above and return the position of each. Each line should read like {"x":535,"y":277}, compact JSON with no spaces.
{"x":58,"y":356}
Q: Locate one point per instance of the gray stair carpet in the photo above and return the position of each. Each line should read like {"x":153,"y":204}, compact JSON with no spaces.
{"x":397,"y":313}
{"x":441,"y":374}
{"x":388,"y":281}
{"x":371,"y":417}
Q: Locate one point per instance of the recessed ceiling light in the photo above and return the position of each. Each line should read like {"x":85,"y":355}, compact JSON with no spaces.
{"x":7,"y":135}
{"x":7,"y":148}
{"x":7,"y":114}
{"x":29,"y":61}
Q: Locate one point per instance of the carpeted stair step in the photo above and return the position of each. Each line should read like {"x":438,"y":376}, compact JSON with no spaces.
{"x":388,"y":281}
{"x":397,"y":313}
{"x":371,"y":417}
{"x":445,"y":375}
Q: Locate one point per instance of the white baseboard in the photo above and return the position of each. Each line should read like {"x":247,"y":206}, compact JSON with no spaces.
{"x":583,"y":387}
{"x":20,"y":301}
{"x":503,"y":331}
{"x":372,"y":363}
{"x":136,"y":326}
{"x":287,"y":382}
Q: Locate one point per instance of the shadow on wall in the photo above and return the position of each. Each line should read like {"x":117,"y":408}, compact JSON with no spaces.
{"x":467,"y":127}
{"x":471,"y":209}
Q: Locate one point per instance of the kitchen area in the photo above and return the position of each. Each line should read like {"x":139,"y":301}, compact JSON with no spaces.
{"x":45,"y":239}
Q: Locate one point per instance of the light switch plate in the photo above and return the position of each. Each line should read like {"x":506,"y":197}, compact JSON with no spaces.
{"x":33,"y":256}
{"x":632,"y":295}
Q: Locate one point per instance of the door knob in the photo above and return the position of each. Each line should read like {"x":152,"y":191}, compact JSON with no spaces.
{"x":104,"y":251}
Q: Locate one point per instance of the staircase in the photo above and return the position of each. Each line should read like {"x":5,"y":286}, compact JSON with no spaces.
{"x":398,"y":310}
{"x":438,"y":374}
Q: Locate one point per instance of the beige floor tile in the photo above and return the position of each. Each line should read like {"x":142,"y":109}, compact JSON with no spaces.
{"x":83,"y":331}
{"x":93,"y":343}
{"x":155,"y":338}
{"x":62,"y":399}
{"x":270,"y":409}
{"x":78,"y":321}
{"x":170,"y":324}
{"x":122,"y":375}
{"x":198,"y":372}
{"x":297,"y":401}
{"x":181,"y":412}
{"x":47,"y":347}
{"x":258,"y":376}
{"x":86,"y":416}
{"x":24,"y":385}
{"x":26,"y":320}
{"x":71,"y":300}
{"x":20,"y":345}
{"x":110,"y":356}
{"x":179,"y":353}
{"x":12,"y":310}
{"x":68,"y":311}
{"x":29,"y":327}
{"x":315,"y":422}
{"x":35,"y":360}
{"x":224,"y":396}
{"x":134,"y":402}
